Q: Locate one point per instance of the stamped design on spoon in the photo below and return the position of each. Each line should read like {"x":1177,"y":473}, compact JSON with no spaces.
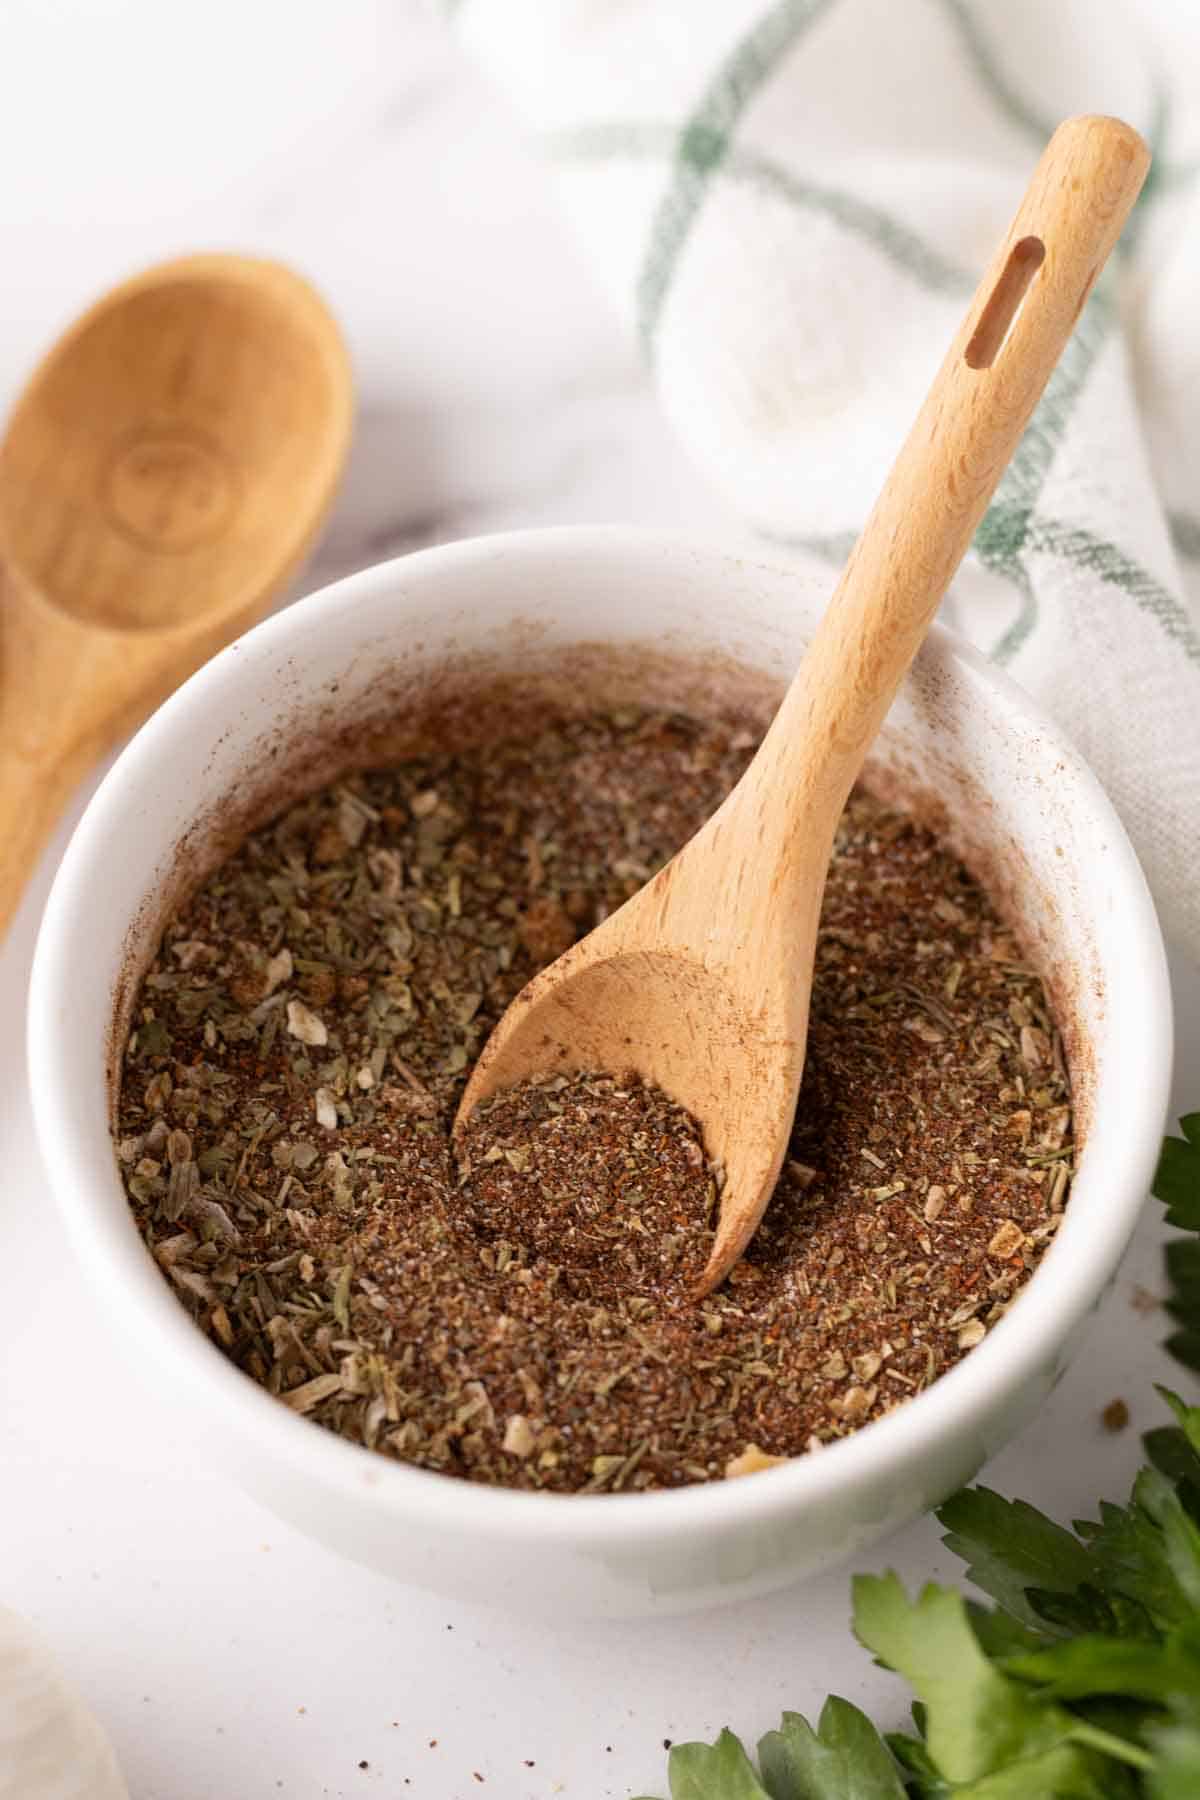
{"x":169,"y":488}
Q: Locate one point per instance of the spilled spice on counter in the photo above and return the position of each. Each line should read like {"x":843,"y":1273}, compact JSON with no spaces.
{"x":1115,"y":1416}
{"x":514,"y":1311}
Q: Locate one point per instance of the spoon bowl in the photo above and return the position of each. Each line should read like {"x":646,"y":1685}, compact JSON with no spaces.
{"x":161,"y":478}
{"x":711,"y":1050}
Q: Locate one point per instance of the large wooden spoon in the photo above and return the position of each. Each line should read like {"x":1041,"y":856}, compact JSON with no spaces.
{"x":701,"y":982}
{"x":162,"y":476}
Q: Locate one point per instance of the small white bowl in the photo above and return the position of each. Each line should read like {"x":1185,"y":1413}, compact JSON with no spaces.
{"x":594,"y":616}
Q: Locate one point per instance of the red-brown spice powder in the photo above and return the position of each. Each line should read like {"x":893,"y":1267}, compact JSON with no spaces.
{"x":519,"y":1314}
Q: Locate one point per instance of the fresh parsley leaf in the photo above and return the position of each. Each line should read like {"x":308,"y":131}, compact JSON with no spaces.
{"x":844,"y":1759}
{"x":1171,"y":1453}
{"x":1148,"y":1551}
{"x":1178,"y":1183}
{"x":1183,"y":1273}
{"x":1009,"y":1547}
{"x":999,"y":1634}
{"x":1177,"y":1767}
{"x":1181,"y":1536}
{"x":1087,"y":1666}
{"x":1062,"y":1773}
{"x":1089,"y":1609}
{"x":1184,"y":1346}
{"x":979,"y":1721}
{"x":720,"y":1771}
{"x":914,"y":1758}
{"x":1188,"y":1417}
{"x":1177,"y":1180}
{"x":1129,"y":1558}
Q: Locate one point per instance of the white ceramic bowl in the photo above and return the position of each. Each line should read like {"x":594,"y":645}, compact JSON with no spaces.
{"x":594,"y":616}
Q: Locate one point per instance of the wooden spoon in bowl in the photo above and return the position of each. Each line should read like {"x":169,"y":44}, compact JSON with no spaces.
{"x":162,"y":476}
{"x":701,"y":982}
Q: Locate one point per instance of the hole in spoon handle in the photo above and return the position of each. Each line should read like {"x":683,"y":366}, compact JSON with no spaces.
{"x":1000,"y":314}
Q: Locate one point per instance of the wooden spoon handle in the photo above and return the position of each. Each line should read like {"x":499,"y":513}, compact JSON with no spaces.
{"x":31,"y":802}
{"x":940,"y":485}
{"x":67,"y":695}
{"x":43,"y":751}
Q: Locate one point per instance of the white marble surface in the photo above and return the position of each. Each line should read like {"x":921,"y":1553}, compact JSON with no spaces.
{"x":229,"y":1657}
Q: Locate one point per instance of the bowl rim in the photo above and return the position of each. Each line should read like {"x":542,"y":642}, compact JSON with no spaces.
{"x":110,"y":1247}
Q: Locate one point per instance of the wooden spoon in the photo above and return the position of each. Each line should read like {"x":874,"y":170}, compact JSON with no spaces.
{"x":701,"y":982}
{"x":162,"y":476}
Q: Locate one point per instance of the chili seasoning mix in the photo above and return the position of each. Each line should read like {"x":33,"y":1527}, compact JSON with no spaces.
{"x":515,"y":1309}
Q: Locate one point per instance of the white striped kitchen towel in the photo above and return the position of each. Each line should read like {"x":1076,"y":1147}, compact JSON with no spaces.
{"x":791,"y":203}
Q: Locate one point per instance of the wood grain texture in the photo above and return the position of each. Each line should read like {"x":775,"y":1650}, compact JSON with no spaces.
{"x":701,"y":982}
{"x":162,"y":476}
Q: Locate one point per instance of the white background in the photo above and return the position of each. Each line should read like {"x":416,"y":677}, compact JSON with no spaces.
{"x":229,"y":1658}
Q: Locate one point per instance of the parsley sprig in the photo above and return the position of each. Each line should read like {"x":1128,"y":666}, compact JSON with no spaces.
{"x":1079,"y":1681}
